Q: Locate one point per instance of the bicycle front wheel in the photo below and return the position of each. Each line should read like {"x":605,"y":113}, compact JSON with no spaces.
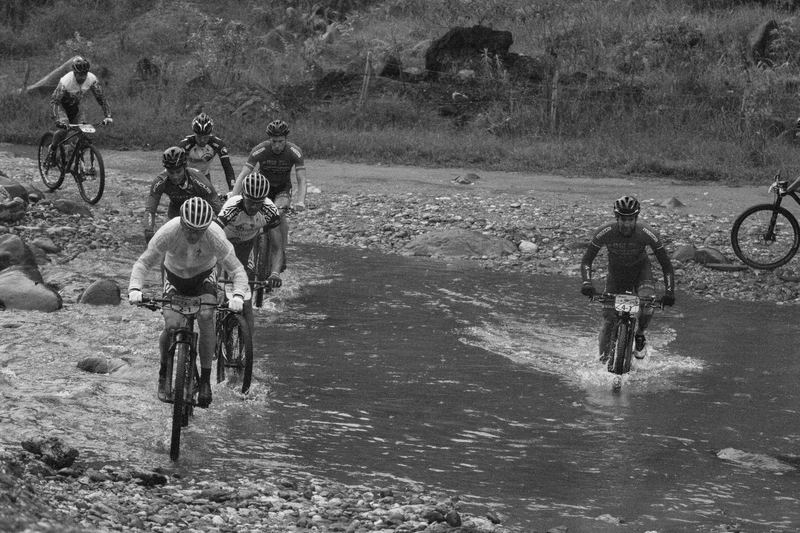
{"x":765,"y":237}
{"x":237,"y":348}
{"x":181,"y":395}
{"x":51,"y":173}
{"x":621,"y":349}
{"x":90,"y":174}
{"x":261,"y":266}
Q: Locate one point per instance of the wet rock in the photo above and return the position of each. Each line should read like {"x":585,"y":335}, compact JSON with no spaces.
{"x":52,"y":451}
{"x":101,"y":292}
{"x":100,"y":365}
{"x":674,"y":202}
{"x":452,"y":518}
{"x":459,"y":243}
{"x":13,"y":251}
{"x":149,"y":479}
{"x":46,"y":244}
{"x":707,"y":254}
{"x":684,"y":252}
{"x":71,"y":208}
{"x":19,"y":289}
{"x":432,"y":515}
{"x":12,"y":210}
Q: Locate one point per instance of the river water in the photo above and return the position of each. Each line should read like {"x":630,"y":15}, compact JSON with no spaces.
{"x":372,"y":369}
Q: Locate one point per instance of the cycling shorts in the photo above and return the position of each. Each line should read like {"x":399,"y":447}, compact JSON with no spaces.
{"x":639,"y":281}
{"x":242,"y":250}
{"x":203,"y":283}
{"x":281,"y":196}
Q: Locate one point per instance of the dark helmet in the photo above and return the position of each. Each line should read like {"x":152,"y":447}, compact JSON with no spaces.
{"x":626,"y":206}
{"x":278,"y":128}
{"x":202,"y":124}
{"x":80,"y":65}
{"x":255,"y":186}
{"x":174,"y":157}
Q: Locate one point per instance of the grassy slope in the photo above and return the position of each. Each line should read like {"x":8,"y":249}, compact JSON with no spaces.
{"x":688,"y":111}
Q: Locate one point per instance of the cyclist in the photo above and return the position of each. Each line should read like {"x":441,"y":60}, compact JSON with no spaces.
{"x":626,"y":240}
{"x":190,"y":248}
{"x":243,"y":218}
{"x":179,"y":183}
{"x":202,"y":146}
{"x":66,"y":98}
{"x":275,"y":158}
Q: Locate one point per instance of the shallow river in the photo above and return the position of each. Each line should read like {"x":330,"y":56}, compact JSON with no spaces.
{"x":372,"y":369}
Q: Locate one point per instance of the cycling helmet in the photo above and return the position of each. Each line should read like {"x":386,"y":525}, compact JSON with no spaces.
{"x":255,"y":186}
{"x":196,"y":213}
{"x":174,"y":157}
{"x":626,"y":206}
{"x":278,"y":128}
{"x":202,"y":124}
{"x":80,"y":65}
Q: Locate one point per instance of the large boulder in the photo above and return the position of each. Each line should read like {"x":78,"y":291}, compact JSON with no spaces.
{"x":101,"y":292}
{"x":51,"y":451}
{"x":22,"y":288}
{"x":463,"y":47}
{"x":459,"y":243}
{"x":13,"y":251}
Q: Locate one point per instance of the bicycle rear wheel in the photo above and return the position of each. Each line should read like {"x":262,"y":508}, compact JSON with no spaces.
{"x":90,"y":175}
{"x":181,"y":395}
{"x":52,"y":175}
{"x":261,"y":266}
{"x":621,"y":349}
{"x":764,"y":237}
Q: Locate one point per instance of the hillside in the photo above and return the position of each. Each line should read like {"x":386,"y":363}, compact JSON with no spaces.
{"x":692,"y":89}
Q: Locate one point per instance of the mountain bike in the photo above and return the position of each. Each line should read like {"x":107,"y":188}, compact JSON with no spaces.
{"x":182,"y":386}
{"x":767,"y":236}
{"x":77,"y":155}
{"x":620,"y":342}
{"x":234,"y":349}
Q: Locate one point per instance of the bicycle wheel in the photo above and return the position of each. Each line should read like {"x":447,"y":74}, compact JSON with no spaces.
{"x":261,"y":266}
{"x":616,"y":362}
{"x":219,"y":349}
{"x":183,"y":380}
{"x":764,"y":237}
{"x":90,"y":174}
{"x":52,"y":176}
{"x":237,"y":346}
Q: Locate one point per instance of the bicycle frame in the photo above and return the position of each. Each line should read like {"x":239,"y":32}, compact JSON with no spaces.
{"x":83,"y":140}
{"x":628,"y":308}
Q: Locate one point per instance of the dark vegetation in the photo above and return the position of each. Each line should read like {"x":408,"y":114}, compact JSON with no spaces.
{"x":688,"y":89}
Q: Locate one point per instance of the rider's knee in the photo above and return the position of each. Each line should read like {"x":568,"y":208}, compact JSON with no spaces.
{"x":647,"y":289}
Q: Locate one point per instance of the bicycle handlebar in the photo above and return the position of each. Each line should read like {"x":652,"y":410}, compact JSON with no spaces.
{"x":655,"y":302}
{"x":154,"y":304}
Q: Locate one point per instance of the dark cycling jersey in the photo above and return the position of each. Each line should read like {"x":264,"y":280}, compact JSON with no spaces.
{"x":200,"y":157}
{"x":66,"y":98}
{"x":276,"y":167}
{"x":195,"y":185}
{"x":628,"y":262}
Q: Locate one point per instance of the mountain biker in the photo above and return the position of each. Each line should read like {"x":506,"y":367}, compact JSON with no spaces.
{"x":66,"y":98}
{"x":243,"y":217}
{"x":202,"y":146}
{"x":275,"y":158}
{"x":179,"y":183}
{"x":626,"y":240}
{"x":190,"y":247}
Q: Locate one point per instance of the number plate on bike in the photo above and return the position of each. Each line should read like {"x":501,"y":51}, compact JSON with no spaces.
{"x":185,"y":304}
{"x":626,"y":303}
{"x":87,"y":128}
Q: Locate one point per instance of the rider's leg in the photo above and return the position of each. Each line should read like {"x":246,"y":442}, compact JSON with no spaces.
{"x":71,"y":114}
{"x":172,"y":321}
{"x":605,"y":332}
{"x":283,"y":200}
{"x":646,"y":289}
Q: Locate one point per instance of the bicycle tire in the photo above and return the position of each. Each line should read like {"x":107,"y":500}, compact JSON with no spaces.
{"x":261,"y":266}
{"x":52,"y":177}
{"x":219,"y":348}
{"x":616,"y":363}
{"x":237,"y":348}
{"x":90,"y":175}
{"x":750,"y":231}
{"x":180,"y":396}
{"x":245,"y":351}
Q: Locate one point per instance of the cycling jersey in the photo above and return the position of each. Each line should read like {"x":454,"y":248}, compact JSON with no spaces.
{"x":276,"y":167}
{"x":200,"y":157}
{"x":241,"y":227}
{"x":195,"y":184}
{"x":67,"y":96}
{"x":628,"y":263}
{"x":187,"y":260}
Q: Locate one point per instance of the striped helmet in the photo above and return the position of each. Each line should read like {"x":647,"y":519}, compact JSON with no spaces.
{"x":202,"y":124}
{"x":277,"y":128}
{"x":80,"y":65}
{"x":255,"y":186}
{"x":626,"y":206}
{"x":174,"y":157}
{"x":196,"y":213}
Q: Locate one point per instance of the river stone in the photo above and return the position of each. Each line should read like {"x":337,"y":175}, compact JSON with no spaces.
{"x":707,"y":254}
{"x":46,"y":244}
{"x":684,"y":252}
{"x":149,"y":479}
{"x":13,"y":251}
{"x":674,"y":202}
{"x":459,"y":243}
{"x":71,"y":208}
{"x":101,"y":292}
{"x":19,"y":291}
{"x":52,"y":451}
{"x":100,"y":365}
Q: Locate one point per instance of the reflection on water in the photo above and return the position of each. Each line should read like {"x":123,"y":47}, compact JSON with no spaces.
{"x":374,"y":369}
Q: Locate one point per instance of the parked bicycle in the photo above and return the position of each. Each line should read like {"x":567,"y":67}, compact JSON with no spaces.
{"x":620,"y":343}
{"x":767,"y":236}
{"x":183,"y":377}
{"x":77,"y":155}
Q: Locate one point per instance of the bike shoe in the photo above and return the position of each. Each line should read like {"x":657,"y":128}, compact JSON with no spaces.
{"x":162,"y":389}
{"x":204,"y":396}
{"x":640,"y":342}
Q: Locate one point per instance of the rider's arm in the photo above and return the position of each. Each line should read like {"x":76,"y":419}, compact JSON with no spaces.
{"x":237,"y":187}
{"x":151,"y":258}
{"x":97,"y":91}
{"x":229,"y":262}
{"x":275,"y":249}
{"x":151,"y":204}
{"x":225,"y":161}
{"x":302,"y":186}
{"x":57,"y":110}
{"x":666,"y":268}
{"x":586,"y":262}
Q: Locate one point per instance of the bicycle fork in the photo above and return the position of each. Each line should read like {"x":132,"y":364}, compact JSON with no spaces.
{"x":187,"y":336}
